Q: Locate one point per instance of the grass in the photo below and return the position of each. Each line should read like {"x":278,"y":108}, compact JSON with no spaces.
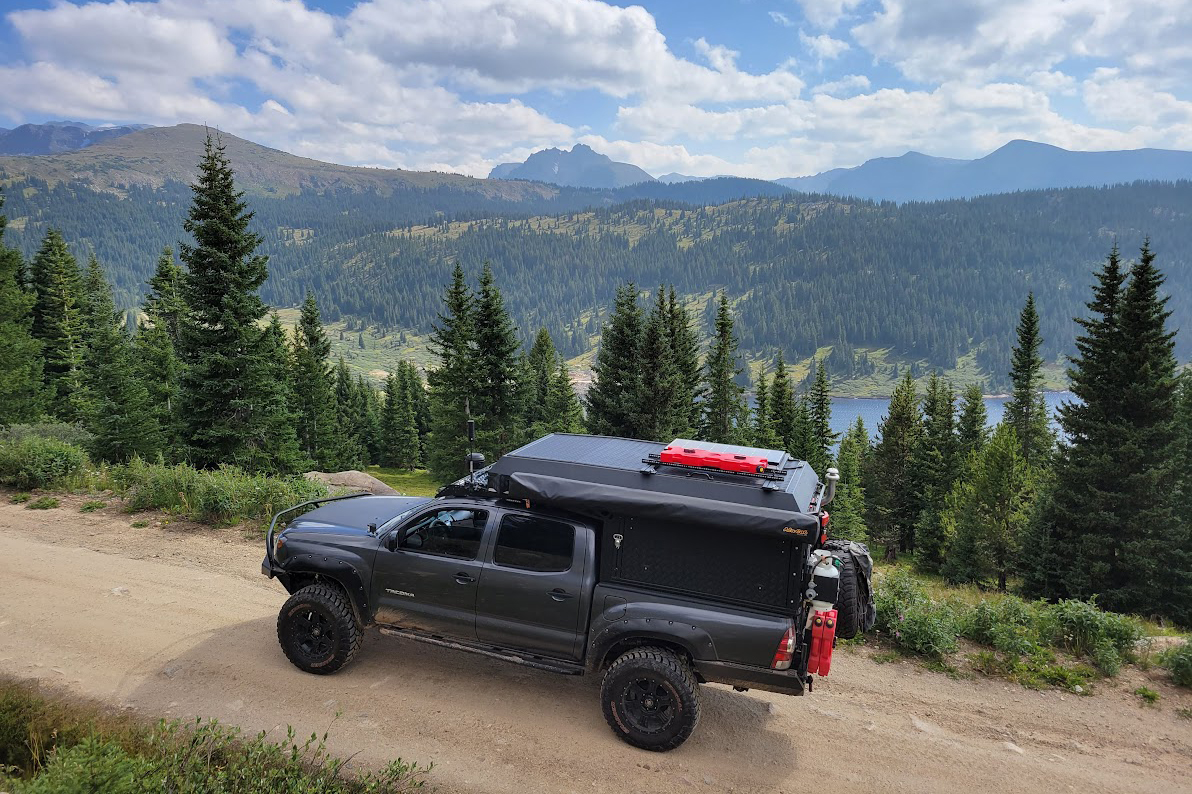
{"x":43,"y":503}
{"x":20,"y":498}
{"x":1148,"y":696}
{"x":139,"y":524}
{"x":49,"y":743}
{"x":92,"y":505}
{"x":411,"y":483}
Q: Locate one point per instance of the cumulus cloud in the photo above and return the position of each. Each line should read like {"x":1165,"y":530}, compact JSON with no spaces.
{"x":826,"y":13}
{"x":848,"y":84}
{"x":823,"y":46}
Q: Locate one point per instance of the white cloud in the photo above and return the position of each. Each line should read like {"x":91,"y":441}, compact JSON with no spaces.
{"x":824,"y":46}
{"x":782,"y":19}
{"x":849,"y":84}
{"x":826,"y":13}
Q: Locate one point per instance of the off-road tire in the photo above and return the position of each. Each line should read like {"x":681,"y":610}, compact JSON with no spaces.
{"x":317,"y":630}
{"x":655,"y":675}
{"x":848,"y":599}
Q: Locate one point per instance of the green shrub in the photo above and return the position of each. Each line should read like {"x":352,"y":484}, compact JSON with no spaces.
{"x":61,"y":747}
{"x":39,"y":462}
{"x":911,"y":618}
{"x":223,"y":496}
{"x":92,"y":505}
{"x":42,"y":503}
{"x":1149,"y":696}
{"x":20,"y":498}
{"x":72,"y":434}
{"x":1106,"y":638}
{"x":1178,"y":662}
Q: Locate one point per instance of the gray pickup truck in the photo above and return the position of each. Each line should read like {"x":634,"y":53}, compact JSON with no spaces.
{"x":657,"y":566}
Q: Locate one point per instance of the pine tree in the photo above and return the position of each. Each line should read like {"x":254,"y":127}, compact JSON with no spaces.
{"x":725,"y":418}
{"x":453,"y":342}
{"x":1184,"y":419}
{"x":411,"y":380}
{"x":613,"y":397}
{"x":352,"y":447}
{"x":275,"y":449}
{"x":764,"y":436}
{"x":58,"y":324}
{"x":781,"y":406}
{"x":315,"y":420}
{"x":848,"y":508}
{"x":231,"y":401}
{"x":893,"y":501}
{"x":497,"y":406}
{"x":20,"y":353}
{"x":819,"y":404}
{"x":164,"y":304}
{"x":1026,"y":411}
{"x":803,"y":444}
{"x":663,"y":406}
{"x":937,"y":466}
{"x":563,"y":410}
{"x":1153,"y":571}
{"x":971,"y":428}
{"x":543,"y":362}
{"x":685,"y":345}
{"x":1074,"y":530}
{"x":990,"y":513}
{"x":118,"y":410}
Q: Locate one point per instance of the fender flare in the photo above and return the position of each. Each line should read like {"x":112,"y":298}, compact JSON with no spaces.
{"x":695,"y":641}
{"x":340,"y":571}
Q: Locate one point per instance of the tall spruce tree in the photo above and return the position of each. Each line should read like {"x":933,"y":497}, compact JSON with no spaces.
{"x":231,"y":393}
{"x":164,"y":304}
{"x":894,"y":498}
{"x":315,"y":420}
{"x":58,"y":325}
{"x":453,"y":342}
{"x":119,"y":413}
{"x":764,"y":436}
{"x":971,"y":426}
{"x":350,"y":422}
{"x":781,"y":406}
{"x":1026,"y":411}
{"x":819,"y":405}
{"x":937,"y":466}
{"x":664,"y":407}
{"x":411,"y":380}
{"x":726,"y":416}
{"x":20,"y":353}
{"x":563,"y":410}
{"x":613,"y":398}
{"x":497,"y":406}
{"x":848,"y":508}
{"x":1153,"y":571}
{"x":542,"y":363}
{"x":685,"y":345}
{"x":990,"y":513}
{"x":1184,"y":421}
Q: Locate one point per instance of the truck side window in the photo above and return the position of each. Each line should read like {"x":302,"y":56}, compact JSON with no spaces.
{"x":447,"y":533}
{"x":534,"y":544}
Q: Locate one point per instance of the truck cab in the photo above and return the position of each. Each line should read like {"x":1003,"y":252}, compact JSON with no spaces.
{"x":582,"y":555}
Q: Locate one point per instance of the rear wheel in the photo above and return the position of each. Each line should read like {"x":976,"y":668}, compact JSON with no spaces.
{"x":651,"y":699}
{"x":317,"y":630}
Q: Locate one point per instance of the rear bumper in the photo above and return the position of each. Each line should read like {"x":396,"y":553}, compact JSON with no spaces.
{"x":785,"y":682}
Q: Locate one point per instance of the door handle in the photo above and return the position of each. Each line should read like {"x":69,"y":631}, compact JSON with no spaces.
{"x":463,"y":578}
{"x":559,"y":594}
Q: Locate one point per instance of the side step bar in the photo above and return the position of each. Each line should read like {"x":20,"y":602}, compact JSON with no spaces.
{"x":493,"y":652}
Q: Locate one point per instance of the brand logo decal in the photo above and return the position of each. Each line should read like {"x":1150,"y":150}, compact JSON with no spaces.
{"x":793,"y":531}
{"x":399,"y":592}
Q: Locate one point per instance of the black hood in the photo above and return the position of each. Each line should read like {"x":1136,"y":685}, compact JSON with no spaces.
{"x":357,"y":513}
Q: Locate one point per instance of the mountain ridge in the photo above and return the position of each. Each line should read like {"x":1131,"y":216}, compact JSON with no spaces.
{"x":579,"y":167}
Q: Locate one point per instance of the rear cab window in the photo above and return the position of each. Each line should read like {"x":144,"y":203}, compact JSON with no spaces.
{"x":532,"y":543}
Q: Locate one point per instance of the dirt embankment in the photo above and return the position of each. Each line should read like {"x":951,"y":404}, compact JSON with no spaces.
{"x":178,"y":621}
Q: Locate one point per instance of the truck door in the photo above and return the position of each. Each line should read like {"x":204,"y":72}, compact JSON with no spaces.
{"x":427,"y":578}
{"x":533,"y":594}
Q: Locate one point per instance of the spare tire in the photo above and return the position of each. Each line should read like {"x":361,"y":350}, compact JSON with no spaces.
{"x":849,"y":606}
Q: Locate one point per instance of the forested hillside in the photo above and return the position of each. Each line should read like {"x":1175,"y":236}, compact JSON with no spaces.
{"x":928,"y":281}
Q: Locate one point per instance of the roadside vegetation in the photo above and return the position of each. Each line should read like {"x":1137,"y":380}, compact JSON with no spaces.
{"x":51,"y":744}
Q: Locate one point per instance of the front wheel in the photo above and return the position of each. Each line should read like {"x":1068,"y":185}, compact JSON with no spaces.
{"x":317,"y":630}
{"x":651,"y":699}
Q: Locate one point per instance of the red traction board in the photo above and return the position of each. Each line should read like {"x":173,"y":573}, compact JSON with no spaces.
{"x":725,"y":461}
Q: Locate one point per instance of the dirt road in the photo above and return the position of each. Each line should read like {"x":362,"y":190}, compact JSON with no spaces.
{"x":179,"y":622}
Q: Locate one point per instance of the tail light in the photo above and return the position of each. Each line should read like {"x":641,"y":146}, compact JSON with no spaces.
{"x":785,"y":651}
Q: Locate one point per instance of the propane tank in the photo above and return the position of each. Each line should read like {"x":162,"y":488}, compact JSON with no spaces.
{"x":825,"y":582}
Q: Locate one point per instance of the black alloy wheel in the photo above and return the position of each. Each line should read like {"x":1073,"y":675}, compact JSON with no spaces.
{"x":317,"y":630}
{"x":651,"y":698}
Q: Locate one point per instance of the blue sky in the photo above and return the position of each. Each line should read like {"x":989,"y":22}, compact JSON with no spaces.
{"x":765,"y":89}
